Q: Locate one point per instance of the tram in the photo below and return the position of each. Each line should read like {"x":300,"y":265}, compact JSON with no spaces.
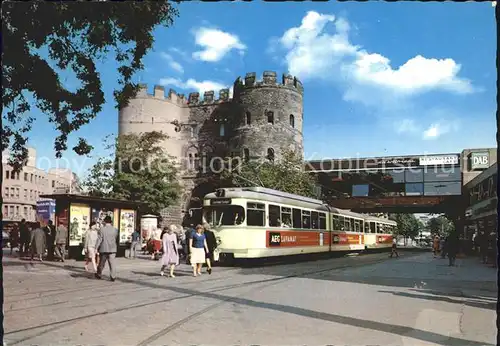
{"x":257,"y":222}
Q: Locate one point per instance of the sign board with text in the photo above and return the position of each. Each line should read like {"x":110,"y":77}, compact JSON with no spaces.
{"x":479,"y":160}
{"x":438,"y":160}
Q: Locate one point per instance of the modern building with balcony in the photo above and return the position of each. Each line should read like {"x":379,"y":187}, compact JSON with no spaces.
{"x":21,"y":190}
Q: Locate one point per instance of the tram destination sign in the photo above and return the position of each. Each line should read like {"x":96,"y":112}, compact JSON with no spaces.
{"x":220,"y":201}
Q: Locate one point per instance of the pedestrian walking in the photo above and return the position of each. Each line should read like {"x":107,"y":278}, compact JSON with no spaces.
{"x":14,"y":238}
{"x":106,"y":245}
{"x":61,"y":236}
{"x":482,"y":241}
{"x":197,"y":243}
{"x":38,"y":242}
{"x":90,"y":246}
{"x":452,"y":248}
{"x":436,"y":246}
{"x":135,"y":243}
{"x":24,"y":238}
{"x":156,"y":240}
{"x":442,"y":246}
{"x":50,"y":234}
{"x":394,"y":249}
{"x":187,"y":236}
{"x":211,"y":246}
{"x":170,"y":257}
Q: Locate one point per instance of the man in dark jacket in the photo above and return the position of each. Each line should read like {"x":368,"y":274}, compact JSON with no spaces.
{"x":24,"y":238}
{"x":452,"y":248}
{"x":211,"y":244}
{"x":188,"y":234}
{"x":50,"y":235}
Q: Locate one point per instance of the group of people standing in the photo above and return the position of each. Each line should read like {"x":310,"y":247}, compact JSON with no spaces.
{"x":35,"y":240}
{"x":196,"y":244}
{"x":447,"y":246}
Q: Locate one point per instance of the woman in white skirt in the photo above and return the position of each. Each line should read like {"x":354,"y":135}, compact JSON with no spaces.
{"x":197,"y":247}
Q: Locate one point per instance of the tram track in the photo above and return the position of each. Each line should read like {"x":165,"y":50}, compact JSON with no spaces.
{"x":263,"y":284}
{"x":212,"y":307}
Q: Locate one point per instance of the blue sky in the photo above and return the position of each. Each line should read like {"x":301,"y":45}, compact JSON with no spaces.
{"x":379,"y":78}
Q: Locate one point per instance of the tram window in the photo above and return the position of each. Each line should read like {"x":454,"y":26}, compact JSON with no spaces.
{"x":373,"y":227}
{"x":286,"y":217}
{"x":314,"y":220}
{"x":274,"y":216}
{"x":341,"y":223}
{"x":367,"y":227}
{"x":380,"y":228}
{"x":322,"y":221}
{"x":306,"y":219}
{"x":297,"y":218}
{"x":335,"y":222}
{"x":347,"y":225}
{"x":256,"y":213}
{"x":227,"y":215}
{"x":357,"y":227}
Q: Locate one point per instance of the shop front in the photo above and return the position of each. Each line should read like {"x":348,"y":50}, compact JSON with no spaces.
{"x":481,"y":197}
{"x":76,"y":212}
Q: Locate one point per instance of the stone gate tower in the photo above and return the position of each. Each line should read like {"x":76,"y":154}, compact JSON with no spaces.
{"x":263,"y":117}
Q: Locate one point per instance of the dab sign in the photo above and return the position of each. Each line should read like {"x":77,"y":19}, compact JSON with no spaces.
{"x":479,"y":160}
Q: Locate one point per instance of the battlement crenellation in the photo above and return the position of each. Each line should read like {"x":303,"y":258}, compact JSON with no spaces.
{"x":269,"y":78}
{"x":193,"y":98}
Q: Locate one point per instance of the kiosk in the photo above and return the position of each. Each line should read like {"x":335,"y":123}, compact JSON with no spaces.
{"x":76,"y":212}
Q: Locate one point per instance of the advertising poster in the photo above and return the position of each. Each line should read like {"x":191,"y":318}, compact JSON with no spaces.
{"x":98,"y":216}
{"x":62,"y":218}
{"x":148,"y":225}
{"x":79,"y":223}
{"x":45,"y":211}
{"x":127,"y":225}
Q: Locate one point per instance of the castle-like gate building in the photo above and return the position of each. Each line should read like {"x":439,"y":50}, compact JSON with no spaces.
{"x":263,"y":118}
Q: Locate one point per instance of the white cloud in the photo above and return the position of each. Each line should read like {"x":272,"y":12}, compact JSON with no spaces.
{"x":174,"y":65}
{"x":192,"y":84}
{"x":432,"y":132}
{"x":216,"y":44}
{"x":406,"y":125}
{"x":438,"y":129}
{"x":314,"y":52}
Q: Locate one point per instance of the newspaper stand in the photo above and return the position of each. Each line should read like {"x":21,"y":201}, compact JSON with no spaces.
{"x":76,"y":212}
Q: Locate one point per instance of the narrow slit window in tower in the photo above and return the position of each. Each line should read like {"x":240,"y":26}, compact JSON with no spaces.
{"x":248,"y":118}
{"x":246,"y":154}
{"x":270,"y":154}
{"x":292,"y":120}
{"x":270,"y":117}
{"x":190,"y":162}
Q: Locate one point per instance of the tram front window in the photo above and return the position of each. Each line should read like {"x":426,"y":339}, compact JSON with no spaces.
{"x":227,"y":215}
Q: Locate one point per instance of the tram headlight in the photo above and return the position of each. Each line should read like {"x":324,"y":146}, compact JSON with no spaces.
{"x":218,"y":240}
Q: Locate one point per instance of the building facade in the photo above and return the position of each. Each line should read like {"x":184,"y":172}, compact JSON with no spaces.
{"x":475,"y":161}
{"x":262,"y":118}
{"x":22,"y":190}
{"x":481,"y":200}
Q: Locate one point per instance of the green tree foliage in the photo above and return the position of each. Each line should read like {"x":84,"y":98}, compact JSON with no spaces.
{"x":440,"y":225}
{"x":75,"y":35}
{"x":141,"y":171}
{"x":408,"y":225}
{"x":286,"y":174}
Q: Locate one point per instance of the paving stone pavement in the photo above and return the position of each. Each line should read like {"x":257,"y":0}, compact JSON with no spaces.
{"x":361,"y":300}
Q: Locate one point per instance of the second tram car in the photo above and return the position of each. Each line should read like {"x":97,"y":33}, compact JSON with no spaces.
{"x":257,"y":222}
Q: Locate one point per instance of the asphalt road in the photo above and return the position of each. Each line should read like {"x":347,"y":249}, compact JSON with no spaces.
{"x":360,"y":300}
